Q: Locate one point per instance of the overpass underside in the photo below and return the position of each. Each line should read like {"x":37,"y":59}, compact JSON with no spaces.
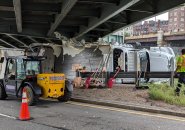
{"x":23,"y":22}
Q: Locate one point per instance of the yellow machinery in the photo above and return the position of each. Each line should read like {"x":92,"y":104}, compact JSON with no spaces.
{"x":29,"y":76}
{"x":52,"y":85}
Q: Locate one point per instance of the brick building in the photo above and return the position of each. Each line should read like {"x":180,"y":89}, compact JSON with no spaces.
{"x":177,"y":20}
{"x":149,"y":27}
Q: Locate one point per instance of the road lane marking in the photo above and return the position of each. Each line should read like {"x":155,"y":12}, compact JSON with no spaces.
{"x":3,"y":115}
{"x":169,"y":117}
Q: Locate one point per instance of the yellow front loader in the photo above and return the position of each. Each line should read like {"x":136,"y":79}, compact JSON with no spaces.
{"x":24,"y":72}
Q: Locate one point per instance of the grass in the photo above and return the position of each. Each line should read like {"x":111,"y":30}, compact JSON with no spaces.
{"x":166,"y":93}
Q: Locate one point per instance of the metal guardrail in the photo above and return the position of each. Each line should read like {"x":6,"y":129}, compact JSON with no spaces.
{"x":90,"y":74}
{"x":143,"y":74}
{"x":136,"y":75}
{"x":124,"y":74}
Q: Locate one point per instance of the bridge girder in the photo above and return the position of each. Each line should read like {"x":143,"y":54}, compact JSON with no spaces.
{"x":81,"y":19}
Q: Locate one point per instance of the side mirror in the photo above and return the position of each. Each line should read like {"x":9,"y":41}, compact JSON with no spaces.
{"x":2,"y":60}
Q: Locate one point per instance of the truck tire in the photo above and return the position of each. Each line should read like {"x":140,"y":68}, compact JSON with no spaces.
{"x":67,"y":96}
{"x":30,"y":95}
{"x":2,"y":93}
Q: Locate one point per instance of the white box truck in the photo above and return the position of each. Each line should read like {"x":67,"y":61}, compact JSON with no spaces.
{"x":130,"y":59}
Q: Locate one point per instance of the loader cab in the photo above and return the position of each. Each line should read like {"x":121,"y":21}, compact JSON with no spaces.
{"x":17,"y":70}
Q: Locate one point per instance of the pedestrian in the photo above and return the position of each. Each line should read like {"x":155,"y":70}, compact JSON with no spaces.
{"x":180,"y":70}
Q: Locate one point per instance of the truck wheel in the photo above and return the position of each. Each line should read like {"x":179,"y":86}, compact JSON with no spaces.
{"x":30,"y":95}
{"x":66,"y":97}
{"x":2,"y":93}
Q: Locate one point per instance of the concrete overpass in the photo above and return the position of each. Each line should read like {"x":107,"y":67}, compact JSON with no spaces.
{"x":170,"y":37}
{"x":23,"y":22}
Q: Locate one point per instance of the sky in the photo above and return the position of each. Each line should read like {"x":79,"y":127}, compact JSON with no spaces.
{"x":159,"y":17}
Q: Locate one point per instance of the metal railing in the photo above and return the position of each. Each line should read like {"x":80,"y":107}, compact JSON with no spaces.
{"x":137,"y":75}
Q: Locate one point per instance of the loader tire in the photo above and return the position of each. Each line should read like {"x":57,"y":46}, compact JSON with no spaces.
{"x":30,"y":96}
{"x":67,"y":96}
{"x":2,"y":93}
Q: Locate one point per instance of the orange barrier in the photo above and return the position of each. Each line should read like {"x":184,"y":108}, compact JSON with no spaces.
{"x":24,"y":111}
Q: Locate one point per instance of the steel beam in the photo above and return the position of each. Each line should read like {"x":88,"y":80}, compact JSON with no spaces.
{"x":101,"y":30}
{"x":24,"y":35}
{"x":116,"y":22}
{"x":37,"y":18}
{"x":107,"y":13}
{"x":78,"y":12}
{"x":12,"y":37}
{"x":140,"y":11}
{"x":17,"y":9}
{"x":74,"y":22}
{"x":32,"y":39}
{"x":6,"y":8}
{"x":7,"y":43}
{"x":67,"y":6}
{"x":50,"y":7}
{"x":45,"y":1}
{"x":98,"y":1}
{"x":45,"y":13}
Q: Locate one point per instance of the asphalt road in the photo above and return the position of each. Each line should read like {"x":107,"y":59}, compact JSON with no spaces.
{"x":52,"y":115}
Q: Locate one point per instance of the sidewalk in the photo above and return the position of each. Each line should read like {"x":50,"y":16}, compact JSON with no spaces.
{"x":87,"y":96}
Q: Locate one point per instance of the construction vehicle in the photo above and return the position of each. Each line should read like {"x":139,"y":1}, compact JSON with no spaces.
{"x":20,"y":72}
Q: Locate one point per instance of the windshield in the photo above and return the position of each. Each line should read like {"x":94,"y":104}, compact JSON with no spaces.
{"x":27,"y":68}
{"x":32,"y":67}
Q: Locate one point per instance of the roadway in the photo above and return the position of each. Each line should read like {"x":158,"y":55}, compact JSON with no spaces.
{"x":51,"y":115}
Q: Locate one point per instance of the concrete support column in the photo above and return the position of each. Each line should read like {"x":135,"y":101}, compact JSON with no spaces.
{"x":160,"y":38}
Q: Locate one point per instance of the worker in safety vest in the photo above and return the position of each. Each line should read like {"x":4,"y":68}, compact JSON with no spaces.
{"x":180,"y":71}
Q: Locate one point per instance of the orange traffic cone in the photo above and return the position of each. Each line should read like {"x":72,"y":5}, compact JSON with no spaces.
{"x":24,"y":112}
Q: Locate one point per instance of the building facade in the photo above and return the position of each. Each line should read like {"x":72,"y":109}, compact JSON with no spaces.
{"x":177,"y":20}
{"x":150,"y":27}
{"x":128,"y":31}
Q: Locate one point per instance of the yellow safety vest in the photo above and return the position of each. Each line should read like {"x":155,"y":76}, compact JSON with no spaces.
{"x":181,"y":63}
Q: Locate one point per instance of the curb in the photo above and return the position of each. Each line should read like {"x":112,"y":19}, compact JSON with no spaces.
{"x":129,"y":107}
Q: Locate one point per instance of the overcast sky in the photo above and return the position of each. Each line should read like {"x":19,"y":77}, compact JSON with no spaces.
{"x":160,"y":17}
